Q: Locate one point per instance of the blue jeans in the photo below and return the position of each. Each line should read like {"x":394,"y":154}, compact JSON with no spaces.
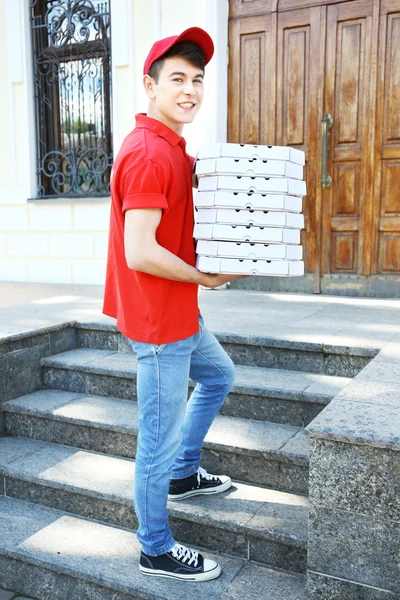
{"x":171,"y":428}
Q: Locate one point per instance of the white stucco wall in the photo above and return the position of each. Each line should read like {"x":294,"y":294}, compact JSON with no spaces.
{"x":63,"y":240}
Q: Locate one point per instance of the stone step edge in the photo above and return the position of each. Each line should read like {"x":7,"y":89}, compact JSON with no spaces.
{"x":143,"y":591}
{"x":36,"y":332}
{"x":85,"y":583}
{"x":173,"y":507}
{"x":260,"y":340}
{"x":279,"y":455}
{"x":268,"y":392}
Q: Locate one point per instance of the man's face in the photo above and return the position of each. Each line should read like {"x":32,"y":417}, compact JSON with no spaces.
{"x":177,"y":96}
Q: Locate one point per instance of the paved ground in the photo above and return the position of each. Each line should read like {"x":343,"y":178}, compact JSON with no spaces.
{"x":19,"y":293}
{"x":369,"y":322}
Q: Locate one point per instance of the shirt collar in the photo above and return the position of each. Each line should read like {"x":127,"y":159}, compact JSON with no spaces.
{"x":143,"y":121}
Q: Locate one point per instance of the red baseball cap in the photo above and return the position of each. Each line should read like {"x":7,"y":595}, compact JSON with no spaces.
{"x":193,"y":34}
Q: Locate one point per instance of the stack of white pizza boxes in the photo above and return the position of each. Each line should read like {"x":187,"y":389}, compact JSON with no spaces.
{"x":248,"y":209}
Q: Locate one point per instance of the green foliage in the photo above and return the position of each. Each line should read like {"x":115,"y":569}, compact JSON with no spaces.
{"x":77,"y":126}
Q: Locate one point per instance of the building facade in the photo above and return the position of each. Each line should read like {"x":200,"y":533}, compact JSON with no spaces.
{"x":320,"y":75}
{"x":53,"y":230}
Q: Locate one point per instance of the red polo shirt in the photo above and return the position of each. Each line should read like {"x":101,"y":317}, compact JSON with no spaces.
{"x":152,"y":170}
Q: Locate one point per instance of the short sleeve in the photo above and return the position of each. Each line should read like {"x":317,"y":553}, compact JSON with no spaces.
{"x":144,"y":186}
{"x":191,"y":161}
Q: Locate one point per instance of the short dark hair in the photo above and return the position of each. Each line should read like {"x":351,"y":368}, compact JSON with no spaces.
{"x":187,"y":50}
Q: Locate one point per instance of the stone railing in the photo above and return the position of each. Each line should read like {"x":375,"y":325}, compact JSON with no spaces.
{"x":354,"y":526}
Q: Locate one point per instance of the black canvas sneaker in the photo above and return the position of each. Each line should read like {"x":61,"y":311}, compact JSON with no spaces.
{"x":180,"y":563}
{"x":200,"y":482}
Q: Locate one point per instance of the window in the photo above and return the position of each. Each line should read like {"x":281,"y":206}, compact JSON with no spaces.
{"x":72,"y":84}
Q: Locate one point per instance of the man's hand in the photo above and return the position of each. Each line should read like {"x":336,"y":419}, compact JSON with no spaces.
{"x":213,"y":280}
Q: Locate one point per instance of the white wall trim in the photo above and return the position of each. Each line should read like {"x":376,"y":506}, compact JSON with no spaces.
{"x":156,"y":10}
{"x":14,"y":46}
{"x":215,"y":17}
{"x":19,"y":62}
{"x":121,"y":56}
{"x":29,"y":98}
{"x":120,"y":11}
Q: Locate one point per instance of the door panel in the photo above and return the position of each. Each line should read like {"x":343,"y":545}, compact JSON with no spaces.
{"x":297,"y":107}
{"x":247,"y":8}
{"x":386,"y":259}
{"x":251,"y":80}
{"x":296,"y":59}
{"x":275,"y":95}
{"x":346,"y":203}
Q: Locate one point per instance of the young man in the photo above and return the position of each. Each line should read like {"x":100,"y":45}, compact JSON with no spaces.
{"x":151,"y":289}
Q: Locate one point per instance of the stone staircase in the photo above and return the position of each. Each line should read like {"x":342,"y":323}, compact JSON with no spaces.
{"x":66,"y":514}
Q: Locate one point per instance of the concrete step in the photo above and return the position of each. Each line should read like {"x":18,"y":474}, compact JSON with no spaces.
{"x":53,"y":555}
{"x":254,"y":350}
{"x":258,"y":452}
{"x":274,"y":395}
{"x":251,"y":522}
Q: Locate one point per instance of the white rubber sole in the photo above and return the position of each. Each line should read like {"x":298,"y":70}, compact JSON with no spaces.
{"x":205,"y":576}
{"x":205,"y":492}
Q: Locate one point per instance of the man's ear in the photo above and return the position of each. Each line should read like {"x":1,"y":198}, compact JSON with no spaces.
{"x":148,"y":84}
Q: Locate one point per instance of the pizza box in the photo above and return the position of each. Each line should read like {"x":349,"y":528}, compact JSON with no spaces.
{"x":240,"y":233}
{"x":249,"y":200}
{"x":248,"y":167}
{"x":280,"y":268}
{"x":248,"y":250}
{"x":251,"y":151}
{"x":249,"y":217}
{"x":237,"y":183}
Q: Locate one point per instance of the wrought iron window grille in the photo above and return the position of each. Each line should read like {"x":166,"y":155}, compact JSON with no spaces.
{"x":71,"y":43}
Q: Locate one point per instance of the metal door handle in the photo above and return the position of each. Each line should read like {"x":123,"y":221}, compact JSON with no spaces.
{"x":327,"y":123}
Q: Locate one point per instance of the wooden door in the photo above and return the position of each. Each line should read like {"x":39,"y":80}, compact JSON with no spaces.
{"x":297,"y":113}
{"x":346,"y":206}
{"x":290,"y":65}
{"x":273,"y":98}
{"x":386,"y":211}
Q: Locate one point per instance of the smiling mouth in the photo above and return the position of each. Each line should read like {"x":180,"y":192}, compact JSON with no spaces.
{"x":187,"y":105}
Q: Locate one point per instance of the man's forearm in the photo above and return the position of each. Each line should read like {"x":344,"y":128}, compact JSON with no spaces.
{"x":156,"y":260}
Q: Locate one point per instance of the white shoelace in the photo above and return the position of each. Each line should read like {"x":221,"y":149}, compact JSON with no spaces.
{"x":185,"y":554}
{"x":202,"y":474}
